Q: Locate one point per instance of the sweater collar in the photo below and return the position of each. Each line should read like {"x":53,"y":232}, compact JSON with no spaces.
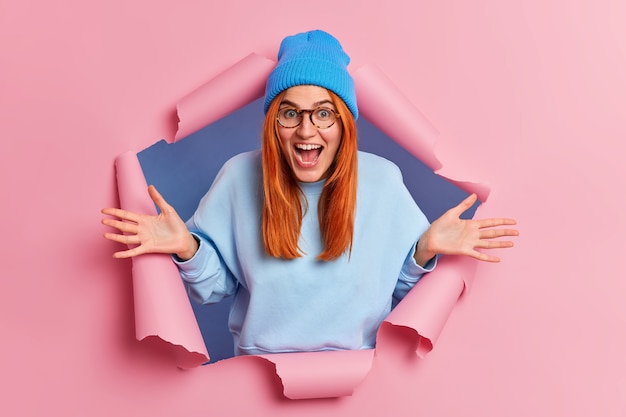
{"x":312,"y":188}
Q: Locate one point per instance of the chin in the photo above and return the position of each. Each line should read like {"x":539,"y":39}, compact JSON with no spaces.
{"x":308,"y":177}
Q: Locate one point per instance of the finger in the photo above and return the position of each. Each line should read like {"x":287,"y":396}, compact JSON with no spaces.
{"x":496,"y":221}
{"x":494,"y":244}
{"x":126,"y":239}
{"x":485,"y":257}
{"x":494,"y":233}
{"x":158,"y":199}
{"x":464,"y":205}
{"x":128,"y":253}
{"x":121,"y":226}
{"x":122,"y":214}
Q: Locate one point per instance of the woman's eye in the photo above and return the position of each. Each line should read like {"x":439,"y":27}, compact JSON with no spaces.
{"x":323,"y":113}
{"x":290,"y":113}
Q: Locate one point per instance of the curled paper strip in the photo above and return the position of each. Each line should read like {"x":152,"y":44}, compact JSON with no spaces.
{"x":161,"y":305}
{"x":427,"y":306}
{"x":308,"y":374}
{"x":387,"y":108}
{"x":239,"y":85}
{"x":321,"y":374}
{"x":384,"y":106}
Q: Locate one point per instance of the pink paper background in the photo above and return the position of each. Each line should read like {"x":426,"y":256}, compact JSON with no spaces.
{"x":529,"y":99}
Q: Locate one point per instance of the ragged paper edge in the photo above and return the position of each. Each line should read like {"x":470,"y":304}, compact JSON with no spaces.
{"x":241,"y":84}
{"x":425,"y":309}
{"x":162,"y":308}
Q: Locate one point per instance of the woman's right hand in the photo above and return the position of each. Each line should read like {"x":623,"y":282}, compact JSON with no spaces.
{"x":163,"y":233}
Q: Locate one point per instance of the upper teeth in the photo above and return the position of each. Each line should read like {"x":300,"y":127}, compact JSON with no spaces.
{"x":307,"y":147}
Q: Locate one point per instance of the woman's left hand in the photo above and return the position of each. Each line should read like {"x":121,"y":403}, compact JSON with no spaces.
{"x":451,"y":235}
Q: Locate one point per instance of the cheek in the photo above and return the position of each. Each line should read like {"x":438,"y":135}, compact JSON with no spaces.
{"x":334,"y":141}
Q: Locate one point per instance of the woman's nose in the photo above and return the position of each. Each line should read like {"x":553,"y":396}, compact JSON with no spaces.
{"x":306,"y":127}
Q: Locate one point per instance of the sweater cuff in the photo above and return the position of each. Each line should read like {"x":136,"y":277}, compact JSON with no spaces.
{"x":193,"y":267}
{"x":411,"y":268}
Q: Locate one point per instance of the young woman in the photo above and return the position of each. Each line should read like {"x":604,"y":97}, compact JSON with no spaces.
{"x":315,"y":240}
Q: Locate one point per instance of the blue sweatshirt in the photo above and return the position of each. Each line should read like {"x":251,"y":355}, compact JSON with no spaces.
{"x":304,"y":304}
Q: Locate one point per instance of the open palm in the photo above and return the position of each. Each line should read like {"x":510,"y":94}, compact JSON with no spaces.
{"x":162,"y":233}
{"x":451,"y":235}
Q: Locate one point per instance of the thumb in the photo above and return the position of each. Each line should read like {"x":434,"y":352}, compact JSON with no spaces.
{"x":465,"y":205}
{"x":158,"y":199}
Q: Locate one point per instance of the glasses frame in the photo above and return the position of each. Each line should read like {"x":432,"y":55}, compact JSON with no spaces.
{"x":310,"y":111}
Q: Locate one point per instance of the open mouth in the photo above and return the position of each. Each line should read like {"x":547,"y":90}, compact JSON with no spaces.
{"x":307,"y":154}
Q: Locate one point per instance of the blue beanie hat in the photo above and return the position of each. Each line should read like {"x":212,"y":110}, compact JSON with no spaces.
{"x":312,"y":58}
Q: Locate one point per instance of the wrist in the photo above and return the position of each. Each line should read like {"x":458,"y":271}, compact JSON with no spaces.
{"x":192,"y":243}
{"x":423,"y":253}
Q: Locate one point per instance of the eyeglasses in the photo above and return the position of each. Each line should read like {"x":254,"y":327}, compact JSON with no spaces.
{"x":321,"y":117}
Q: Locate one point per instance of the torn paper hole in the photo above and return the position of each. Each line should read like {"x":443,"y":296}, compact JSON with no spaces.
{"x":161,"y":304}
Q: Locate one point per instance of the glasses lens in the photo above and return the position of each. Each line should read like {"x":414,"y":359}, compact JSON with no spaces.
{"x":323,"y":117}
{"x":289,"y":117}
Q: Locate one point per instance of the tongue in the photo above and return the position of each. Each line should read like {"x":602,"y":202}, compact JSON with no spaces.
{"x":309,"y":156}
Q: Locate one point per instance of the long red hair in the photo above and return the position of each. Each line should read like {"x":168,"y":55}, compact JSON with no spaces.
{"x":283,"y":200}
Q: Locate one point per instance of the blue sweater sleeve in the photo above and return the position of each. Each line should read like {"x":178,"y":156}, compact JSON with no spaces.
{"x":211,"y":274}
{"x":406,"y":220}
{"x":410,"y":274}
{"x":206,"y":277}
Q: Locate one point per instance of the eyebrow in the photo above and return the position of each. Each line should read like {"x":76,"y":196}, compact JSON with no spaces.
{"x":315,"y":105}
